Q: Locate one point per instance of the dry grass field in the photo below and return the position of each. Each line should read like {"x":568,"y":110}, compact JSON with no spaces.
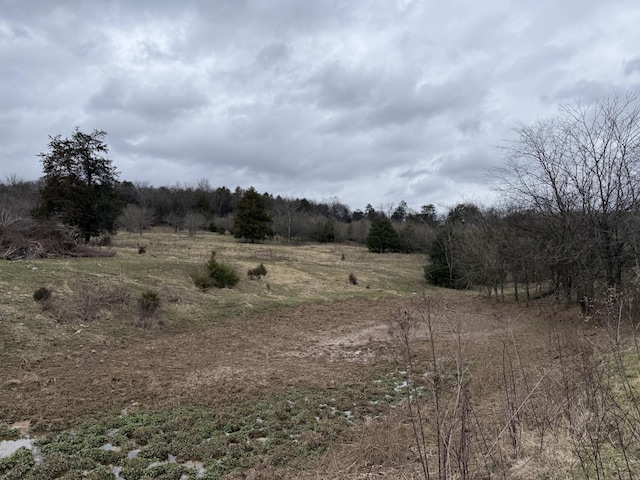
{"x":299,"y":374}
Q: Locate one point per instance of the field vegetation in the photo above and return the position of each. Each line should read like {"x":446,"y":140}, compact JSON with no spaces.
{"x":151,"y":355}
{"x":120,"y":365}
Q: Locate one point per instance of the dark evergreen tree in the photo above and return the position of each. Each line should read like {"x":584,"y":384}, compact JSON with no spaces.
{"x":427,"y":216}
{"x":382,"y":236}
{"x":465,"y":213}
{"x":305,"y":205}
{"x":252,"y":220}
{"x":327,"y":232}
{"x":443,"y":269}
{"x":80,"y":184}
{"x":370,"y":212}
{"x":358,"y":215}
{"x":401,"y":212}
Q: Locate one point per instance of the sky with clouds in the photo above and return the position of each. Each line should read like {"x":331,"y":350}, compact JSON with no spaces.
{"x":370,"y":101}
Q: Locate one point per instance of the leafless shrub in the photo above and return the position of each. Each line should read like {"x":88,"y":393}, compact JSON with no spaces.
{"x":440,"y":409}
{"x":618,"y":311}
{"x":602,"y":398}
{"x":451,"y":440}
{"x":194,"y":222}
{"x":89,"y":301}
{"x":402,"y":327}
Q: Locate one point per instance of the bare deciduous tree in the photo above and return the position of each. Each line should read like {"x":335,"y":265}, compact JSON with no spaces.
{"x":288,"y":217}
{"x":17,"y":199}
{"x":135,"y":218}
{"x":193,"y":222}
{"x":581,"y":170}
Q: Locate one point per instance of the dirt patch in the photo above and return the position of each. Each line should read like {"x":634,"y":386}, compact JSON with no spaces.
{"x":312,"y":346}
{"x":318,"y":345}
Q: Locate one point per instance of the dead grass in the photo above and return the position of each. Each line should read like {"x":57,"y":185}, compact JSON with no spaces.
{"x":303,"y":329}
{"x":92,"y":321}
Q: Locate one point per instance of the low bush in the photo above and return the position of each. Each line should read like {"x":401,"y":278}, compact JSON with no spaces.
{"x":222,"y":274}
{"x":215,"y":274}
{"x":352,"y":279}
{"x":42,"y":294}
{"x":256,"y":273}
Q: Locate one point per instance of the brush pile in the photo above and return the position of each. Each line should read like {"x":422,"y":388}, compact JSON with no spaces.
{"x":27,"y":240}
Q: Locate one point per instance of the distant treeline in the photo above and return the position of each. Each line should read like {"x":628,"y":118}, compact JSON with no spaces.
{"x":201,"y":207}
{"x":567,"y":254}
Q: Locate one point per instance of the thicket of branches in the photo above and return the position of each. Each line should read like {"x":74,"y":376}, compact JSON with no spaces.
{"x":572,"y":186}
{"x":577,"y":178}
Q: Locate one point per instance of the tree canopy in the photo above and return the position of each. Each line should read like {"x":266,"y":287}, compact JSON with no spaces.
{"x":80,"y":184}
{"x":382,"y":236}
{"x":252,"y":220}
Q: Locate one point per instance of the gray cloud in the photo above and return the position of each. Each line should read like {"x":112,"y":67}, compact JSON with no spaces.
{"x":156,"y":100}
{"x":372,"y":101}
{"x":631,"y":66}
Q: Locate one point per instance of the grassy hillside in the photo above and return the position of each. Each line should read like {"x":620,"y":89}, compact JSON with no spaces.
{"x":80,"y":286}
{"x":299,"y":374}
{"x":82,"y":356}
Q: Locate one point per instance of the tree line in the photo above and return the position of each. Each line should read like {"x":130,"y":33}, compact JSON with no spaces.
{"x":569,"y":224}
{"x":80,"y":188}
{"x":137,"y":206}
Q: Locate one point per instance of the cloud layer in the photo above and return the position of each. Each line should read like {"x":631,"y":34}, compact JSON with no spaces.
{"x":372,"y":101}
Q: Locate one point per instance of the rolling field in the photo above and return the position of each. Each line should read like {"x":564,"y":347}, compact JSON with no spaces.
{"x":299,"y":374}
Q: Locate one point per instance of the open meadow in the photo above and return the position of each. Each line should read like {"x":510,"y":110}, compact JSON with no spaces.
{"x":300,"y":373}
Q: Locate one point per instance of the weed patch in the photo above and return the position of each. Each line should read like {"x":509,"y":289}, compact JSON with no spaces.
{"x":7,"y":433}
{"x":95,"y":298}
{"x":287,"y":429}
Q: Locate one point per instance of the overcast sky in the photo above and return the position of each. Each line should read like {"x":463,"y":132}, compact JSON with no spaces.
{"x":369,"y":101}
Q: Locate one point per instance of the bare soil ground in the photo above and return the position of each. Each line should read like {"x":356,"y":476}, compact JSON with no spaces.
{"x":312,"y":345}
